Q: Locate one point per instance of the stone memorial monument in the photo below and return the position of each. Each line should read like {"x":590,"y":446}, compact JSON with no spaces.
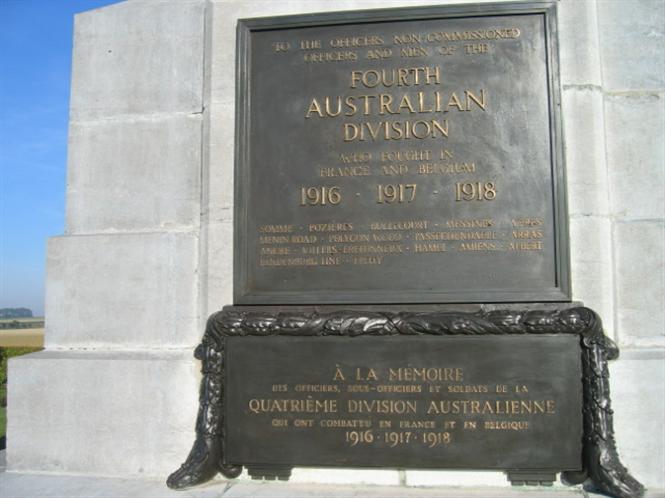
{"x":397,"y":281}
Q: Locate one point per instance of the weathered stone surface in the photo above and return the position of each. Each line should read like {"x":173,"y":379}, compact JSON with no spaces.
{"x":105,"y":413}
{"x":345,"y":476}
{"x":136,"y":58}
{"x":56,"y":486}
{"x":640,"y":283}
{"x":141,"y":174}
{"x":638,"y":382}
{"x":578,"y":43}
{"x":455,"y":478}
{"x":219,"y":261}
{"x":584,"y":130}
{"x":591,"y":265}
{"x":219,"y":177}
{"x":636,"y":163}
{"x":632,"y":33}
{"x":122,"y":290}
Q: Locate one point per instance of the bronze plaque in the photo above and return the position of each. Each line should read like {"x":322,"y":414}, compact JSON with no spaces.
{"x":493,"y":402}
{"x":409,"y":155}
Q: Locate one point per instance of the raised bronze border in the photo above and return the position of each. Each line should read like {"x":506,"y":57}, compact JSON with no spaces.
{"x":602,"y":467}
{"x":244,"y":295}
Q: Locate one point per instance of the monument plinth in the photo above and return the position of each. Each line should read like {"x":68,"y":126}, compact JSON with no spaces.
{"x":351,"y":229}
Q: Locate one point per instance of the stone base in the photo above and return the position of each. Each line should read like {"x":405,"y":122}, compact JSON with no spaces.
{"x":102,"y":413}
{"x":26,"y":485}
{"x":638,"y":400}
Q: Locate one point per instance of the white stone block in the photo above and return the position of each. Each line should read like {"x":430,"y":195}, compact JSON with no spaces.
{"x":345,"y":476}
{"x":58,"y":486}
{"x":125,"y":414}
{"x":219,"y":261}
{"x":584,"y":135}
{"x":640,"y":282}
{"x":637,"y":383}
{"x":134,"y":58}
{"x":219,"y":176}
{"x":455,"y":478}
{"x":141,"y":174}
{"x":222,"y":57}
{"x":635,"y":127}
{"x":632,"y":36}
{"x":124,"y":290}
{"x":591,"y":266}
{"x":578,"y":43}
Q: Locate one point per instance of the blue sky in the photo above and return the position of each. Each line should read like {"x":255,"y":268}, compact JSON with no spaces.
{"x":35,"y":66}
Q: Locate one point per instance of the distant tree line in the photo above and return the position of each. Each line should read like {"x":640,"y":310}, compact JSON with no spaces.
{"x":15,"y":324}
{"x":15,"y":313}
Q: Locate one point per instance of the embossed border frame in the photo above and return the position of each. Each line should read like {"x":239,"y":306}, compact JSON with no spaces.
{"x":243,"y":293}
{"x":600,"y":460}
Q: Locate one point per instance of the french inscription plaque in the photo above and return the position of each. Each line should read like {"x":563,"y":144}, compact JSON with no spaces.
{"x":409,"y":155}
{"x":503,"y":402}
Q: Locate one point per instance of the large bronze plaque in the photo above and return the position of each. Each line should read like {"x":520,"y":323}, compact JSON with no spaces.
{"x":409,"y":155}
{"x":493,"y":402}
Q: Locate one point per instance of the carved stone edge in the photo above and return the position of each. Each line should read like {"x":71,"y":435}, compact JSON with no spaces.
{"x":602,"y":466}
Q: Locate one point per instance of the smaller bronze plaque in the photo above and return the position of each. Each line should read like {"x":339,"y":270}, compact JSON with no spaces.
{"x":493,"y":402}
